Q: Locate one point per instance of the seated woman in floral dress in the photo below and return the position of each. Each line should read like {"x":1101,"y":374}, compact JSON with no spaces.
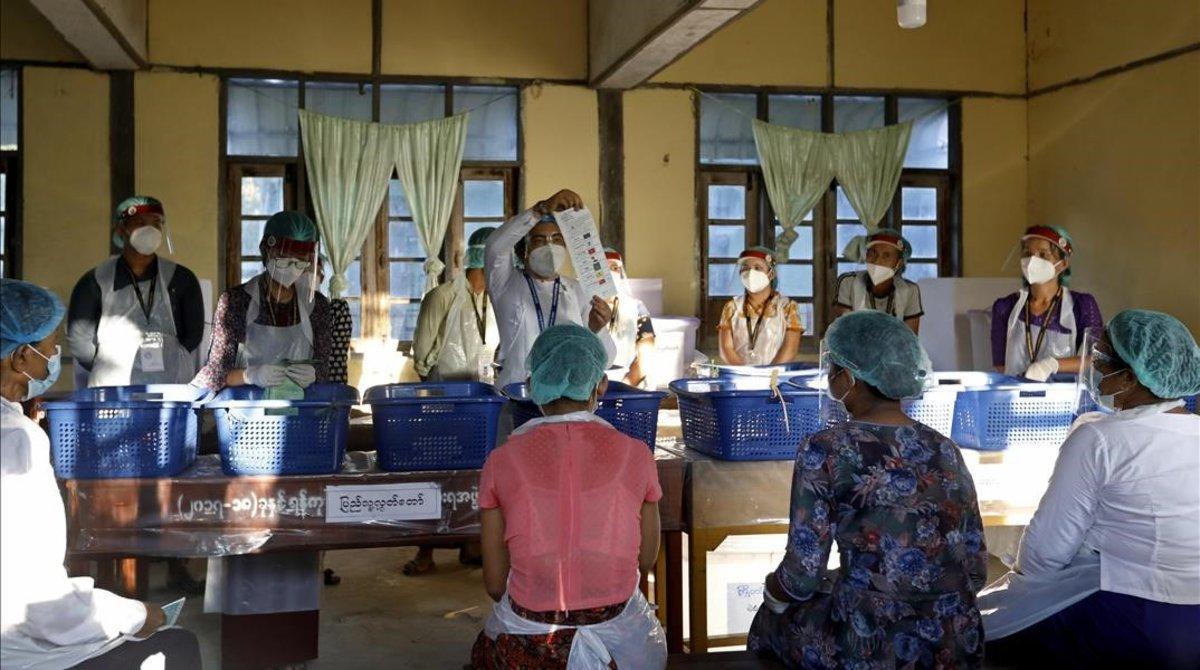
{"x":898,"y":500}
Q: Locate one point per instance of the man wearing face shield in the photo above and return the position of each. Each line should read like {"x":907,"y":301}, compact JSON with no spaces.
{"x":880,"y":287}
{"x":762,"y":326}
{"x":531,"y":300}
{"x":136,"y":318}
{"x":1037,"y":331}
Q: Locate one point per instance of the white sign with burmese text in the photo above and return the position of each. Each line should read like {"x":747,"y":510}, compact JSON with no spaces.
{"x":383,"y":502}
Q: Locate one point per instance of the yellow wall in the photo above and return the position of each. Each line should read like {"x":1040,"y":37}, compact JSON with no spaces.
{"x":26,"y":35}
{"x":180,"y":167}
{"x":534,"y":39}
{"x":1117,"y":162}
{"x":1076,"y":38}
{"x":994,"y":183}
{"x":304,"y":35}
{"x":660,"y":202}
{"x":65,"y":155}
{"x":562,"y":143}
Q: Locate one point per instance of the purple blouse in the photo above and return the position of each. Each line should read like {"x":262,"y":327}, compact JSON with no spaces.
{"x":1084,"y":306}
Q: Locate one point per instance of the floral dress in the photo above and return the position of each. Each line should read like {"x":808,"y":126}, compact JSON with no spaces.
{"x":901,"y":505}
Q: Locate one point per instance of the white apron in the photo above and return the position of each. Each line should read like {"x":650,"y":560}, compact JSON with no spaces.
{"x":904,"y":294}
{"x":1055,"y":345}
{"x":464,"y":356}
{"x":634,"y":638}
{"x":285,"y":581}
{"x":624,"y":331}
{"x":134,"y":349}
{"x":770,"y":333}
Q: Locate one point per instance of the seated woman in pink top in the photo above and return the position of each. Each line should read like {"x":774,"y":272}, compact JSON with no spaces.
{"x":570,"y":516}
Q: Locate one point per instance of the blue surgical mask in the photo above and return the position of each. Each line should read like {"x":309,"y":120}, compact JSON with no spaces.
{"x":38,"y":387}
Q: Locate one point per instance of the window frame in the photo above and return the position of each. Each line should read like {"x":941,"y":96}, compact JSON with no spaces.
{"x":11,"y":162}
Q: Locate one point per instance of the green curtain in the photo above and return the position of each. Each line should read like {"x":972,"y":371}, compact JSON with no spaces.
{"x":428,"y":156}
{"x":868,"y":165}
{"x":349,"y":163}
{"x":797,"y":167}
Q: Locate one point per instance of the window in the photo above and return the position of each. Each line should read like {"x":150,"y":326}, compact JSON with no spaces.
{"x":735,"y":212}
{"x":10,"y":173}
{"x":386,"y":282}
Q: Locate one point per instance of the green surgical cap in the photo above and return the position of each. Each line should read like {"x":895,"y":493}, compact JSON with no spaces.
{"x":292,"y":226}
{"x":475,"y":248}
{"x":28,"y":314}
{"x":566,"y":361}
{"x":881,"y":351}
{"x":1160,"y":350}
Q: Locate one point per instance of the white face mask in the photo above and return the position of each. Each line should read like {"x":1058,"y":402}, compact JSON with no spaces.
{"x":621,"y":284}
{"x":146,"y":240}
{"x":880,"y":273}
{"x":755,"y":280}
{"x":1038,"y":270}
{"x":284,"y":271}
{"x":548,"y":260}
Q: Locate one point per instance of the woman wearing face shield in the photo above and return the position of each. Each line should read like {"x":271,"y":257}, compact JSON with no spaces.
{"x":275,"y":329}
{"x":761,"y":326}
{"x":569,"y":517}
{"x":1037,"y":331}
{"x":899,"y":502}
{"x":1108,"y":573}
{"x":631,"y":328}
{"x":880,"y":287}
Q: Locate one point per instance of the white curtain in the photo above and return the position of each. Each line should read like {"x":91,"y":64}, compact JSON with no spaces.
{"x":428,"y":159}
{"x":868,"y":168}
{"x":797,"y":168}
{"x":349,"y":163}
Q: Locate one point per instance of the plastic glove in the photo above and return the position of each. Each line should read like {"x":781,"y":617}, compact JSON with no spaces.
{"x":302,"y":373}
{"x":1041,"y":370}
{"x":265,"y":375}
{"x":771,"y":602}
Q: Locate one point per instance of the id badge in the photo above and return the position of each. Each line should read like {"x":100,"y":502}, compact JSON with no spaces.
{"x":150,"y":354}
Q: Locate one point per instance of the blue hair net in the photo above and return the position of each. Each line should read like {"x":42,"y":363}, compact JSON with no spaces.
{"x":28,"y":314}
{"x":566,"y":361}
{"x":290,"y":225}
{"x":1160,"y":350}
{"x":476,"y":245}
{"x":881,"y":351}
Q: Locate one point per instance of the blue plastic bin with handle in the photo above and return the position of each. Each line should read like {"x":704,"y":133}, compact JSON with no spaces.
{"x":283,"y":437}
{"x":1017,"y":414}
{"x":936,"y":406}
{"x":736,"y":420}
{"x":785,"y":370}
{"x":113,"y":432}
{"x":434,"y":426}
{"x":630,"y":410}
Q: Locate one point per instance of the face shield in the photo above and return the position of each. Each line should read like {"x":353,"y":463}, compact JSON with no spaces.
{"x":832,"y":408}
{"x":1097,"y":362}
{"x":1040,"y":256}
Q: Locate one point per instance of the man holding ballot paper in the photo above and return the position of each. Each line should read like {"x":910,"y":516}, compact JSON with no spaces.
{"x":534,"y":297}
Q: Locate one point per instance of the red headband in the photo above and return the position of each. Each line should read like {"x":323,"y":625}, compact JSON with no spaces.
{"x":148,"y":208}
{"x":884,"y":238}
{"x":613,"y":256}
{"x":290,"y":245}
{"x":1050,"y":235}
{"x":755,"y":253}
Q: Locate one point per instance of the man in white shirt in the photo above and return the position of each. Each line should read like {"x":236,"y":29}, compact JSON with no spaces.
{"x":530,"y":300}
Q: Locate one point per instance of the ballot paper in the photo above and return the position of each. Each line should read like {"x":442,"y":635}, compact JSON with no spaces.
{"x":587,"y":252}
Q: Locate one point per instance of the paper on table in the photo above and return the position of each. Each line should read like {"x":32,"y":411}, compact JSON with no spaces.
{"x":587,"y":252}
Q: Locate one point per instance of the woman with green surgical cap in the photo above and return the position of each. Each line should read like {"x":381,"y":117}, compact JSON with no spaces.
{"x":273,"y":330}
{"x":880,"y":287}
{"x":899,"y":502}
{"x":569,"y":519}
{"x":1108,"y":573}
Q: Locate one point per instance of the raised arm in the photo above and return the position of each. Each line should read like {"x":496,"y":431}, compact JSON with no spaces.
{"x":499,"y":253}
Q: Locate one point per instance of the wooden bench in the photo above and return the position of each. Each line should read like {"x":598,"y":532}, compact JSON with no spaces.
{"x":726,"y":660}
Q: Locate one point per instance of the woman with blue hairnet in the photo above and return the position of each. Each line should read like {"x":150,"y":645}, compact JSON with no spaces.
{"x":880,"y":287}
{"x":47,"y":619}
{"x":1038,"y":330}
{"x":569,"y":515}
{"x":1108,"y":572}
{"x":897,"y":498}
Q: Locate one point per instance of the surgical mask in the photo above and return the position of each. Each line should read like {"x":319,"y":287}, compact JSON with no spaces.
{"x":621,"y":284}
{"x":1038,"y":270}
{"x":39,"y":387}
{"x":755,"y":280}
{"x":146,"y":240}
{"x":286,"y":271}
{"x":1107,"y":401}
{"x":880,"y":273}
{"x":548,"y":260}
{"x":829,"y":389}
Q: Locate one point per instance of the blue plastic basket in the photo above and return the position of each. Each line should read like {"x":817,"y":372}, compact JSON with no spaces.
{"x":1190,"y":402}
{"x":1013,"y":415}
{"x":786,"y":370}
{"x":630,"y":410}
{"x":283,"y":437}
{"x":448,"y":426}
{"x":123,"y":431}
{"x":936,"y":406}
{"x":735,"y":421}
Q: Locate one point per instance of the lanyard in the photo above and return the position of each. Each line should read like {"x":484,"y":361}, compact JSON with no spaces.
{"x":762,"y":316}
{"x":537,"y":302}
{"x":1033,"y":350}
{"x":146,"y":308}
{"x":612,"y":321}
{"x":480,"y":321}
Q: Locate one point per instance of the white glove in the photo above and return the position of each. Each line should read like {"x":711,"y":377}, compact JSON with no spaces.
{"x":771,"y":602}
{"x":302,"y":373}
{"x":1041,"y":370}
{"x":265,"y":375}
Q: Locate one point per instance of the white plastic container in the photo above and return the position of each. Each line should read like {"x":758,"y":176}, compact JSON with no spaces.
{"x":675,"y":346}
